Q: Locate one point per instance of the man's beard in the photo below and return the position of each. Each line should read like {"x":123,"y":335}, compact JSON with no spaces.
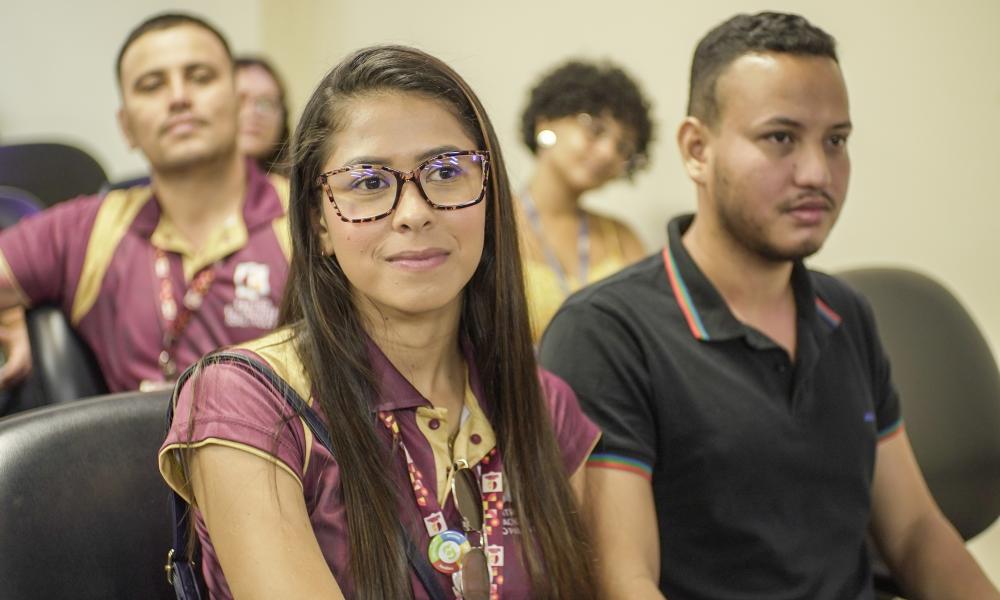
{"x":751,"y":235}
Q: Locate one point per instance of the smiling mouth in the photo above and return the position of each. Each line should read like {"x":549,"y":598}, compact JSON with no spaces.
{"x":420,"y":260}
{"x":181,"y":126}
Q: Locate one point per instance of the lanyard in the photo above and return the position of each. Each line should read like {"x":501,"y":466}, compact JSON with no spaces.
{"x":490,"y":472}
{"x":582,"y":245}
{"x":175,"y":320}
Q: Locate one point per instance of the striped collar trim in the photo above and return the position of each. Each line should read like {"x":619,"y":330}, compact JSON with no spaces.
{"x":830,"y":316}
{"x":684,"y":297}
{"x":693,"y":318}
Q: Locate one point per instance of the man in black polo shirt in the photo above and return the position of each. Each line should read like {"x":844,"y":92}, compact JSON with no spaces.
{"x":752,"y":434}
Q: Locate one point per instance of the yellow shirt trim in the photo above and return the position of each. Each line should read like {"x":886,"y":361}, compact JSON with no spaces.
{"x":173,"y":474}
{"x":8,"y":277}
{"x":229,"y":238}
{"x":278,"y":349}
{"x":114,"y":217}
{"x":281,"y":225}
{"x":462,"y":448}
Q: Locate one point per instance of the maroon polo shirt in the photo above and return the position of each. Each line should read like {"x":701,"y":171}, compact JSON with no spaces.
{"x":241,"y":412}
{"x":94,"y":258}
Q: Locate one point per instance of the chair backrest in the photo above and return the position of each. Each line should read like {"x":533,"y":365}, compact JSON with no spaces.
{"x":949,"y":387}
{"x":63,"y":366}
{"x":85,"y":514}
{"x":52,"y":172}
{"x":15,"y":204}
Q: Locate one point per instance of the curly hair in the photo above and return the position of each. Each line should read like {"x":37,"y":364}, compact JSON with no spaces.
{"x":586,"y":87}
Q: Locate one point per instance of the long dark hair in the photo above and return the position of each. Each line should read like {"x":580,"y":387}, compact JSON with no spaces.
{"x":277,"y":160}
{"x":330,"y":339}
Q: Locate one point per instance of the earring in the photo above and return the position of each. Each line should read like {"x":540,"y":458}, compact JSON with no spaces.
{"x":546,"y":138}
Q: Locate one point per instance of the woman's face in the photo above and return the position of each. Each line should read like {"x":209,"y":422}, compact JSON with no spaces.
{"x":416,"y":260}
{"x":589,"y":150}
{"x":261,"y":114}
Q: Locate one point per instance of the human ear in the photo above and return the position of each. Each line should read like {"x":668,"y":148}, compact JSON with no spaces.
{"x":693,"y":141}
{"x":323,"y":232}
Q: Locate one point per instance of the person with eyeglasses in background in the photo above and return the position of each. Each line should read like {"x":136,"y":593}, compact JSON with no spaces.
{"x":405,"y":326}
{"x":587,"y":124}
{"x":155,"y":275}
{"x":264,"y":128}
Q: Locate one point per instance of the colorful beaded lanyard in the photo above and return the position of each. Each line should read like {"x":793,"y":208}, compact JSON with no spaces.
{"x":449,"y":546}
{"x":174,"y":320}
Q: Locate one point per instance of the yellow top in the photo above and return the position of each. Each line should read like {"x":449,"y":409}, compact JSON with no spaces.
{"x":543,"y":286}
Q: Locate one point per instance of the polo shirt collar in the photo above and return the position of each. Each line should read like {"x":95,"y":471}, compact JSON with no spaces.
{"x":706,"y":312}
{"x":397,"y":393}
{"x":261,"y":204}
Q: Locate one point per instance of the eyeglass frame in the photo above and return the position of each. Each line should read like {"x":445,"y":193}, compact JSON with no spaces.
{"x":632,"y":162}
{"x":263,"y":105}
{"x":404,"y":176}
{"x":461,"y":465}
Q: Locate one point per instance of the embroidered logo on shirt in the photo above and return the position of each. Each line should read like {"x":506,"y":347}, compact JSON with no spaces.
{"x":252,"y":305}
{"x":252,"y":280}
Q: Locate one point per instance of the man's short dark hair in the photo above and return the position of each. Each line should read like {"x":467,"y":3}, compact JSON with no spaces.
{"x":167,"y":21}
{"x":745,"y":34}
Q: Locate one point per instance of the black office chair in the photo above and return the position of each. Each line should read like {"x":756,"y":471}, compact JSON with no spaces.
{"x":52,"y":172}
{"x":15,"y":204}
{"x":124,"y":184}
{"x":85,"y":513}
{"x":949,"y":387}
{"x":63,"y":366}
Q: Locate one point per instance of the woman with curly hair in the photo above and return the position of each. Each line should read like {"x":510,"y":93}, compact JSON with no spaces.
{"x":587,"y":124}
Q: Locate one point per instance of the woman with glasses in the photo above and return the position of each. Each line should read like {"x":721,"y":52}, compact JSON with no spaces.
{"x":587,"y":124}
{"x":264,"y":127}
{"x":406,"y":329}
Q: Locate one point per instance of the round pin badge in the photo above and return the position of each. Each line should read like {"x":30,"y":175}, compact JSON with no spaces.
{"x":446,"y":550}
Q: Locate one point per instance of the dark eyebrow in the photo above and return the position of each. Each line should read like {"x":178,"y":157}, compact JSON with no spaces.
{"x":784,"y":122}
{"x":381,"y":160}
{"x":789,"y":122}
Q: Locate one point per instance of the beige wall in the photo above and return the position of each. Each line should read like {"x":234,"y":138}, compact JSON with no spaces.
{"x":923,"y":77}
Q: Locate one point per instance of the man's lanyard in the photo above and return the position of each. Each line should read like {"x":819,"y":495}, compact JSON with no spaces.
{"x":175,"y":320}
{"x":448,"y":546}
{"x":582,"y":245}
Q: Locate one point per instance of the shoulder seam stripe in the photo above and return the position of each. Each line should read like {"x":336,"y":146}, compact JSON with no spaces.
{"x":118,"y":209}
{"x":281,"y":224}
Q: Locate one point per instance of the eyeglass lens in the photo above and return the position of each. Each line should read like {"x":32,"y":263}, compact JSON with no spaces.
{"x":468,"y":499}
{"x":598,"y":127}
{"x":364,"y":191}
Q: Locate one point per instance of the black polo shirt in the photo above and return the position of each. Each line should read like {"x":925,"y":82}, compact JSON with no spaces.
{"x":761,"y":468}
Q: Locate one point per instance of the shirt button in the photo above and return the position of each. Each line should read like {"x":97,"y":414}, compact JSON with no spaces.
{"x":475,"y":439}
{"x":434,"y":423}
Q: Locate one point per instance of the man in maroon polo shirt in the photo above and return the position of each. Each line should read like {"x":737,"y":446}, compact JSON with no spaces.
{"x":154,"y":276}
